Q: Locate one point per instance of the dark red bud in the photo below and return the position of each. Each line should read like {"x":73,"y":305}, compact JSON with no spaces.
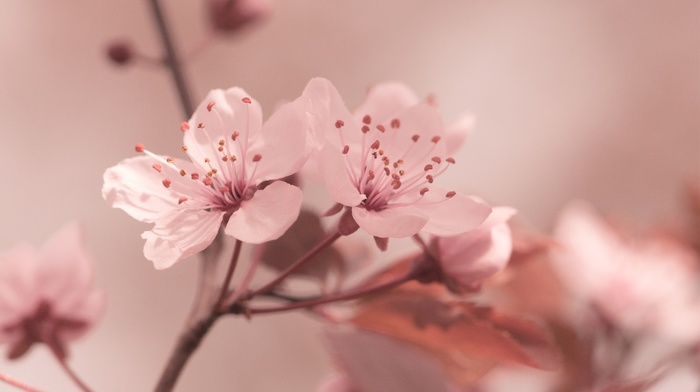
{"x":231,"y":15}
{"x":120,"y":52}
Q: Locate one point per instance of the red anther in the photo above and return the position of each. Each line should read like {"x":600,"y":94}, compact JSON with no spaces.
{"x":339,"y":123}
{"x":395,"y":176}
{"x":170,"y":159}
{"x":429,"y":178}
{"x":450,"y":194}
{"x":206,"y":160}
{"x":184,"y":126}
{"x":207,"y":181}
{"x":370,"y":175}
{"x":194,"y":176}
{"x":396,"y":184}
{"x":381,"y":128}
{"x":157,"y":167}
{"x":365,"y":129}
{"x":415,"y":137}
{"x":139,"y":147}
{"x":214,"y":170}
{"x":395,"y":165}
{"x":235,"y":135}
{"x":220,"y":148}
{"x":375,"y":145}
{"x":257,"y":158}
{"x":435,"y":139}
{"x":222,"y":142}
{"x":246,"y":100}
{"x":184,"y":148}
{"x":436,"y":160}
{"x":210,"y":105}
{"x":224,"y":189}
{"x":367,"y":119}
{"x":183,"y":172}
{"x":387,"y":171}
{"x":428,"y":167}
{"x":224,"y":158}
{"x":451,"y":160}
{"x":423,"y":191}
{"x":181,"y":200}
{"x":346,"y":149}
{"x":233,"y":158}
{"x":402,"y":172}
{"x":395,"y":123}
{"x":200,"y":125}
{"x":167,"y":182}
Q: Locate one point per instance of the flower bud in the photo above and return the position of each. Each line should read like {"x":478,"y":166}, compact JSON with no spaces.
{"x":231,"y":15}
{"x":120,"y":52}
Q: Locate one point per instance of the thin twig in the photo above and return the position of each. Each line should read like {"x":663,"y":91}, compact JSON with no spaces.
{"x":73,"y":376}
{"x":229,"y":273}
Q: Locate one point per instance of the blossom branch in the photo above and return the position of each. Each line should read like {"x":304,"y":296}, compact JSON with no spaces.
{"x":172,"y":60}
{"x":415,"y":272}
{"x":229,"y":273}
{"x":16,"y":383}
{"x":73,"y":376}
{"x":303,"y":260}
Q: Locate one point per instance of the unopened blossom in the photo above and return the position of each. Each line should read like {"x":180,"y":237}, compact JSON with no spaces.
{"x":47,"y":295}
{"x":385,"y":161}
{"x":640,"y":285}
{"x":232,"y":15}
{"x":467,"y":259}
{"x":232,"y":154}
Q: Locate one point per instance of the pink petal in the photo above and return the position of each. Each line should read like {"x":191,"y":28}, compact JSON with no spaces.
{"x":457,"y":132}
{"x":390,"y":223}
{"x":267,"y":215}
{"x":135,"y":187}
{"x":337,"y":177}
{"x":328,"y":107}
{"x":452,"y":216}
{"x":180,"y":234}
{"x":19,"y":288}
{"x":229,"y":114}
{"x":385,"y":100}
{"x":284,"y":142}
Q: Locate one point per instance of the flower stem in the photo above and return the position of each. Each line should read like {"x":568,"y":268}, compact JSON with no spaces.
{"x":16,"y":383}
{"x":229,"y":273}
{"x":349,"y":295}
{"x":172,"y":59}
{"x":241,"y":288}
{"x":73,"y":376}
{"x":297,"y":264}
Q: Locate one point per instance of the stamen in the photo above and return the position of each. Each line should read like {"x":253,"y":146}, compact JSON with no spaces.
{"x":381,"y":128}
{"x":157,"y":167}
{"x":181,"y":200}
{"x":346,"y":149}
{"x":257,"y":158}
{"x":224,"y":189}
{"x":395,"y":123}
{"x":184,"y":126}
{"x":207,"y":181}
{"x":436,"y":160}
{"x":450,"y":160}
{"x":423,"y":191}
{"x":375,"y":145}
{"x":194,"y":176}
{"x":429,"y":178}
{"x":167,"y":182}
{"x":435,"y":139}
{"x":365,"y":129}
{"x":428,"y":167}
{"x":170,"y":159}
{"x":246,"y":100}
{"x":339,"y":123}
{"x":415,"y":137}
{"x":139,"y":147}
{"x":450,"y":194}
{"x":367,"y":119}
{"x":210,"y":105}
{"x":387,"y":171}
{"x":200,"y":125}
{"x":235,"y":135}
{"x":183,"y":172}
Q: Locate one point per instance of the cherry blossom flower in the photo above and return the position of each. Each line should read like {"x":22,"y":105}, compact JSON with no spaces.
{"x":469,"y":258}
{"x":232,"y":153}
{"x":647,"y":286}
{"x":382,"y":162}
{"x":47,"y":295}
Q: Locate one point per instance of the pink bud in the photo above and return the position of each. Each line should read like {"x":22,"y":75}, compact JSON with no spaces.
{"x":231,"y":15}
{"x":120,"y":52}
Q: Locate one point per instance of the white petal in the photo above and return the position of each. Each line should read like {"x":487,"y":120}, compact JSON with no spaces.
{"x":267,"y":215}
{"x":328,"y":107}
{"x":180,"y":234}
{"x":337,"y":177}
{"x":385,"y":100}
{"x":452,"y":216}
{"x":390,"y":223}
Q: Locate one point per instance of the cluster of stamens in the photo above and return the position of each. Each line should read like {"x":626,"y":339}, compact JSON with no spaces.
{"x":382,"y":179}
{"x":224,"y":184}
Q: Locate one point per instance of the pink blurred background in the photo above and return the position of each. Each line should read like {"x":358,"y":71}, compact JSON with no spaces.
{"x":591,"y":99}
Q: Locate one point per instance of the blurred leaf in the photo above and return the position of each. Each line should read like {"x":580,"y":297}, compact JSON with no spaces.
{"x":466,"y":338}
{"x":303,"y":235}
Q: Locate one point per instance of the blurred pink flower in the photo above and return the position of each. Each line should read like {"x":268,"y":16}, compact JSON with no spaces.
{"x":232,"y":15}
{"x":648,"y":286}
{"x":471,"y":257}
{"x":47,"y":295}
{"x":232,"y":153}
{"x":383,"y":161}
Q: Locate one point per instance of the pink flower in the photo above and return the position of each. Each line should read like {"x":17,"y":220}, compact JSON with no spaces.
{"x":47,"y":295}
{"x":648,"y":286}
{"x":471,"y":257}
{"x":232,"y":153}
{"x":383,"y":161}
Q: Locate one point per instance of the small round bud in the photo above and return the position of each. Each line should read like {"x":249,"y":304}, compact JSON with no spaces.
{"x":120,"y":52}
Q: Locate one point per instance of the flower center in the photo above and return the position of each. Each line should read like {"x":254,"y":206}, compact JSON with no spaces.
{"x":391,"y":168}
{"x":220,"y":179}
